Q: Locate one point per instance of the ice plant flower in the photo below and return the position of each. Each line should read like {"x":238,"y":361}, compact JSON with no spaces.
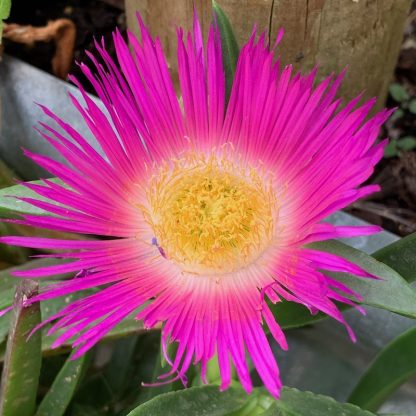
{"x":206,"y":209}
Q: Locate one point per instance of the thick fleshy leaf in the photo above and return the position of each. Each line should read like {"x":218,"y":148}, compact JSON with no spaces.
{"x":139,"y":371}
{"x":9,"y":205}
{"x":8,"y":283}
{"x":23,"y":357}
{"x":298,"y":403}
{"x":63,"y":388}
{"x":391,"y":414}
{"x":390,"y":292}
{"x":7,"y":176}
{"x":129,"y":326}
{"x":80,"y":410}
{"x":376,"y":293}
{"x":394,"y":365}
{"x":400,"y":256}
{"x":229,"y":45}
{"x":125,"y":328}
{"x":292,"y":315}
{"x":118,"y":371}
{"x":11,"y":254}
{"x":208,"y":400}
{"x":195,"y":401}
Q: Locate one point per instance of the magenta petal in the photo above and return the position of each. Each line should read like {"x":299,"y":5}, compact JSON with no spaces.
{"x":171,"y":172}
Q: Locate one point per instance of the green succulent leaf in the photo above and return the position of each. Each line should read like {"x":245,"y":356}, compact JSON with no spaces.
{"x":394,"y":365}
{"x":391,"y":414}
{"x":128,"y":326}
{"x":63,"y":388}
{"x":9,"y":205}
{"x":148,"y":368}
{"x":400,"y":256}
{"x":23,"y":357}
{"x":391,"y":292}
{"x":393,"y":264}
{"x":206,"y":400}
{"x":118,"y":371}
{"x":291,"y":315}
{"x":8,"y":284}
{"x":298,"y":403}
{"x":229,"y":45}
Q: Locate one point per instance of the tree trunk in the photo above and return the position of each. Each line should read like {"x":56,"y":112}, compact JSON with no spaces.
{"x":364,"y":35}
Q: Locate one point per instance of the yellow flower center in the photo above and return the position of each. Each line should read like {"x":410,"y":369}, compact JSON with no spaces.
{"x":208,"y":215}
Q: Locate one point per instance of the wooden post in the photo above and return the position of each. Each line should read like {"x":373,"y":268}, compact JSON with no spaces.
{"x":163,"y":17}
{"x":364,"y":35}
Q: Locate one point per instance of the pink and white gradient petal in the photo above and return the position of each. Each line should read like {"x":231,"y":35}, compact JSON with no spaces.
{"x":279,"y":123}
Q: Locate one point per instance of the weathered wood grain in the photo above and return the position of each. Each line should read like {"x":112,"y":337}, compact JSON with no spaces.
{"x":163,"y":17}
{"x":364,"y":35}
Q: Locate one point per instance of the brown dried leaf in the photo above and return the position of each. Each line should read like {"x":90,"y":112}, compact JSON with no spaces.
{"x":61,"y":31}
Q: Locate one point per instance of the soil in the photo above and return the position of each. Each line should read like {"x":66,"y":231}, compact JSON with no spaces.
{"x":394,"y":208}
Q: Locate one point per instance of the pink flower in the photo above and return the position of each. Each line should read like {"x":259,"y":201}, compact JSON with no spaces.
{"x":206,"y":208}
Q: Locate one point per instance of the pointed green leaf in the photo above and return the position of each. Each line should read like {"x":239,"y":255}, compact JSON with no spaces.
{"x":292,"y":315}
{"x":9,"y":205}
{"x":392,"y":292}
{"x":195,"y":401}
{"x":145,"y":368}
{"x":394,"y":365}
{"x":400,"y":256}
{"x":63,"y":388}
{"x":208,"y":400}
{"x":12,"y":254}
{"x":391,"y":414}
{"x":229,"y":46}
{"x":8,"y":283}
{"x":129,"y":325}
{"x":298,"y":403}
{"x":118,"y":371}
{"x":23,"y":357}
{"x":7,"y":176}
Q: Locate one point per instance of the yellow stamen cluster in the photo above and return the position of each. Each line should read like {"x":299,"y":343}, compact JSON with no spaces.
{"x":208,"y":215}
